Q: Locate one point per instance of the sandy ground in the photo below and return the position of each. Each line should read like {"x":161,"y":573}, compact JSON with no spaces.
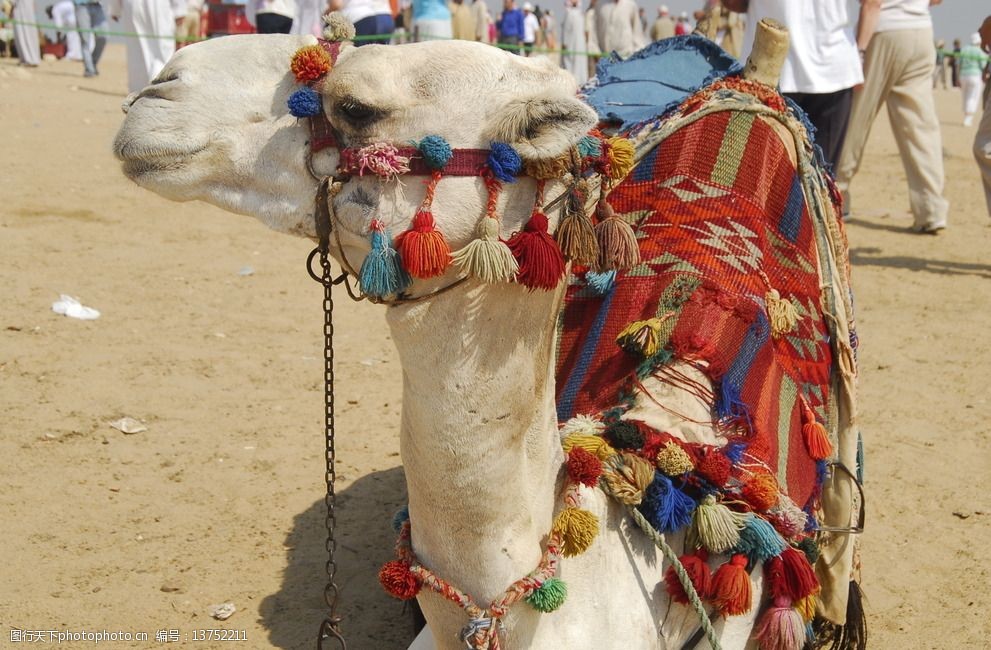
{"x":220,"y":500}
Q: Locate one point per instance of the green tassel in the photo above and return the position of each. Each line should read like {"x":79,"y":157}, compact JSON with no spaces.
{"x":549,"y":596}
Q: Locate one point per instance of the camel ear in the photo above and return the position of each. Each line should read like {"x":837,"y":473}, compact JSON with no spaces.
{"x":543,"y":127}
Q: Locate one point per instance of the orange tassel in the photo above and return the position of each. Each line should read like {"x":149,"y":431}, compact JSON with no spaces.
{"x":731,"y":589}
{"x":423,"y":249}
{"x":699,"y":572}
{"x":815,"y":435}
{"x":761,"y":492}
{"x":540,"y":259}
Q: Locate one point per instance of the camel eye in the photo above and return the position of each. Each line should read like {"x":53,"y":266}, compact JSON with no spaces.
{"x":357,"y":112}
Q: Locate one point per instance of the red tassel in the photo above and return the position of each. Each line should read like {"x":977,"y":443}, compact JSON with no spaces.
{"x":715,"y":467}
{"x":697,"y":569}
{"x":540,"y":259}
{"x":731,"y":589}
{"x":774,"y":575}
{"x":584,"y":467}
{"x":815,"y":435}
{"x":398,"y":580}
{"x":799,"y":577}
{"x":423,"y":249}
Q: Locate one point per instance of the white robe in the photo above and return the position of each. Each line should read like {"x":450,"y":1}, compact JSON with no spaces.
{"x":146,"y":55}
{"x":624,"y":31}
{"x":308,"y":19}
{"x":573,"y":40}
{"x":26,"y":36}
{"x":64,"y":17}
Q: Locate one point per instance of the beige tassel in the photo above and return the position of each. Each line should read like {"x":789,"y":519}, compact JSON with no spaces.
{"x":781,"y":313}
{"x":618,"y":247}
{"x":487,"y":257}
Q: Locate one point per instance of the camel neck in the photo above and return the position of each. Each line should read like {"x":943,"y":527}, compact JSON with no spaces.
{"x":479,"y":437}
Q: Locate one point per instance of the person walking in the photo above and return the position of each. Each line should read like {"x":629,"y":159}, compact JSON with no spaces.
{"x":972,"y":63}
{"x":91,"y":21}
{"x":592,"y":38}
{"x":896,"y":40}
{"x":822,"y":66}
{"x":431,"y":20}
{"x":663,"y":27}
{"x":623,"y":34}
{"x":982,"y":141}
{"x":573,"y":58}
{"x":531,"y":25}
{"x":26,"y":33}
{"x":510,"y":26}
{"x":270,"y":16}
{"x":480,"y":12}
{"x":939,"y":75}
{"x":955,"y":64}
{"x":682,"y":27}
{"x":153,"y":24}
{"x":462,"y":20}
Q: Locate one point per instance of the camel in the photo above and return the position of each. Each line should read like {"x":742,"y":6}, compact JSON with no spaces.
{"x":480,"y":439}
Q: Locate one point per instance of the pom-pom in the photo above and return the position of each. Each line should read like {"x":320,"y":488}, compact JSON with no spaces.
{"x":600,"y":283}
{"x":641,"y":337}
{"x":309,"y":63}
{"x":548,"y":596}
{"x":423,"y":249}
{"x":622,"y":157}
{"x":697,"y":569}
{"x":714,"y":467}
{"x":761,"y":492}
{"x":815,"y":435}
{"x":400,"y":518}
{"x":811,"y":549}
{"x":398,"y":580}
{"x":781,"y":628}
{"x":582,"y":425}
{"x":592,"y":444}
{"x":577,"y":528}
{"x":673,"y":460}
{"x":618,"y":248}
{"x":731,"y":589}
{"x":545,"y":169}
{"x":381,"y":274}
{"x":590,"y":147}
{"x":789,"y":519}
{"x":576,"y":234}
{"x":435,"y":150}
{"x":504,"y":162}
{"x":541,"y":265}
{"x":487,"y":257}
{"x":799,"y":577}
{"x":717,"y":526}
{"x":627,"y":477}
{"x":380,"y":158}
{"x":305,"y":102}
{"x":758,"y":540}
{"x":338,"y":27}
{"x":781,"y":313}
{"x":624,"y":435}
{"x":666,"y":507}
{"x":584,"y":467}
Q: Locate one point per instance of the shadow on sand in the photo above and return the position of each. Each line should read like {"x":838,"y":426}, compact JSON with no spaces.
{"x":371,"y":619}
{"x":870,"y":256}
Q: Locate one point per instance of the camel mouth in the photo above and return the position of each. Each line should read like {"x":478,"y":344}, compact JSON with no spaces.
{"x":138,"y":160}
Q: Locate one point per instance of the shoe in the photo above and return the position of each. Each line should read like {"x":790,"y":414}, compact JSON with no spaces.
{"x":89,"y":74}
{"x":928,"y":230}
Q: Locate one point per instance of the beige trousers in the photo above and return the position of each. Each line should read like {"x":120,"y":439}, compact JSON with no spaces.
{"x":898,"y":68}
{"x":982,"y":150}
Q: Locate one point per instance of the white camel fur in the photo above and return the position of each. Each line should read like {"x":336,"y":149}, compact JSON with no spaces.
{"x":479,"y":437}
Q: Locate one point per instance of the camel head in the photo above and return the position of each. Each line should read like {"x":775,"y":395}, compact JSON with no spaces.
{"x":214,"y":126}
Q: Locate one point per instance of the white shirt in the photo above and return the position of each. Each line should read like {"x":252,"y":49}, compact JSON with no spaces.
{"x":530,"y":27}
{"x":823,"y":54}
{"x":904,"y":14}
{"x":356,"y":10}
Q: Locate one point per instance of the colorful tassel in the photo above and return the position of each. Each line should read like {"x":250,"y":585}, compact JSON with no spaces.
{"x":381,"y":159}
{"x":714,"y":467}
{"x":487,"y":257}
{"x":806,"y":607}
{"x":781,"y":313}
{"x":600,"y":283}
{"x":381,"y":273}
{"x":618,"y":248}
{"x":789,"y":519}
{"x":627,"y":477}
{"x":666,"y":507}
{"x":398,"y":580}
{"x":577,"y":528}
{"x":624,"y":435}
{"x":731,"y":589}
{"x":717,"y":526}
{"x":309,"y":63}
{"x":582,"y":425}
{"x":541,"y":264}
{"x":584,"y":467}
{"x":697,"y":569}
{"x":799,"y":577}
{"x":576,"y":234}
{"x":436,"y":151}
{"x":781,"y":628}
{"x":305,"y":102}
{"x":814,"y":434}
{"x":504,"y":162}
{"x":590,"y":147}
{"x":548,"y":596}
{"x":400,"y":518}
{"x":811,"y":550}
{"x":758,"y":540}
{"x":641,"y":337}
{"x":622,"y":157}
{"x":761,"y":492}
{"x":423,"y":249}
{"x":591,"y":444}
{"x":673,"y":460}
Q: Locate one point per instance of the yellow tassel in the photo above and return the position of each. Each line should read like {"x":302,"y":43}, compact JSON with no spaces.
{"x":781,"y":313}
{"x":717,"y":527}
{"x":591,"y":444}
{"x":673,"y":460}
{"x":806,"y":607}
{"x":627,"y":476}
{"x":641,"y":336}
{"x":622,"y":157}
{"x":487,"y":257}
{"x":577,"y":528}
{"x":548,"y":168}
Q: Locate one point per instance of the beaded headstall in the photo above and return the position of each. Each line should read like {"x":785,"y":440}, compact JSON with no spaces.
{"x":532,"y":256}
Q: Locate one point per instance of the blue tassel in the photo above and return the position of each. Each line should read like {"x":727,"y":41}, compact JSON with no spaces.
{"x":504,"y":162}
{"x":729,"y":404}
{"x":600,"y":283}
{"x":667,"y":508}
{"x":436,"y":151}
{"x":589,"y":147}
{"x":734,"y":451}
{"x":759,"y":541}
{"x":811,"y":523}
{"x":305,"y":102}
{"x":381,"y":273}
{"x":400,"y":518}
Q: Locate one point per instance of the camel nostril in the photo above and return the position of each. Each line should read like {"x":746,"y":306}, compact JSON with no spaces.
{"x":130,"y":99}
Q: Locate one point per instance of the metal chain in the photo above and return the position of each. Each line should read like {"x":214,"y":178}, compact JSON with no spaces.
{"x":330,"y":628}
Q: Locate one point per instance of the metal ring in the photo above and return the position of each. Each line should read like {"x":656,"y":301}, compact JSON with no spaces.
{"x":862,"y":515}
